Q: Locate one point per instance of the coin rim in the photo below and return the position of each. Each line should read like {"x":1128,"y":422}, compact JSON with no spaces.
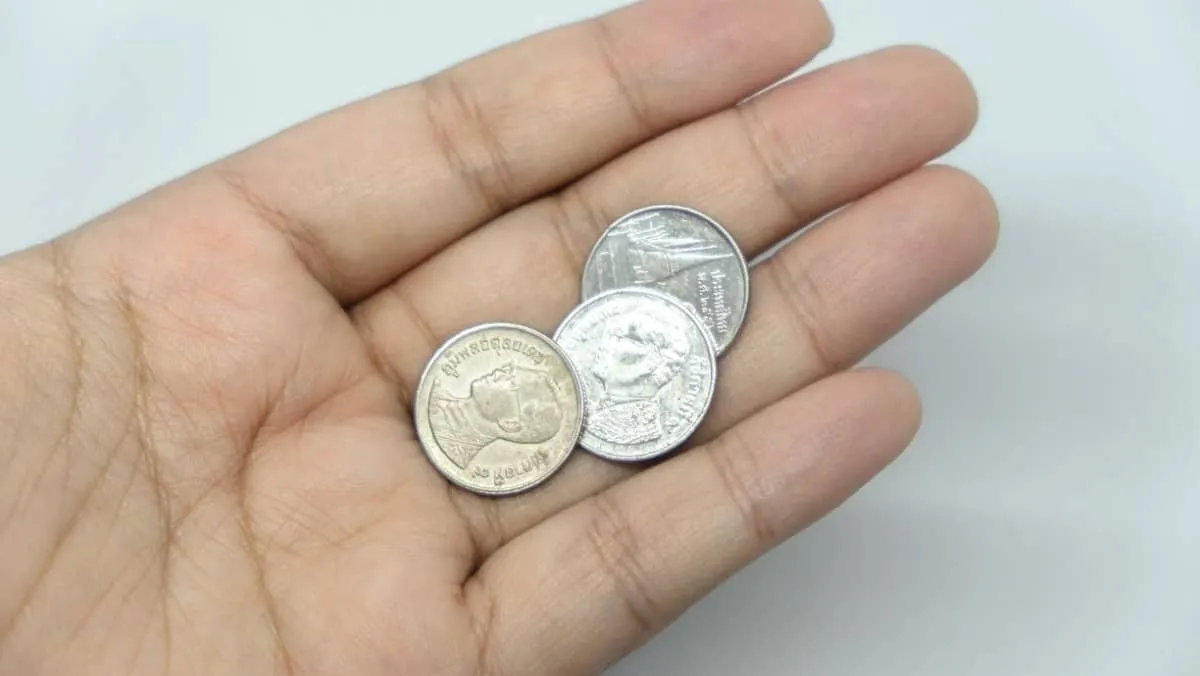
{"x":721,"y":230}
{"x":709,"y":342}
{"x":425,"y":431}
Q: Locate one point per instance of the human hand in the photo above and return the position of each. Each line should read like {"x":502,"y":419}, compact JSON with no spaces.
{"x":208,"y":463}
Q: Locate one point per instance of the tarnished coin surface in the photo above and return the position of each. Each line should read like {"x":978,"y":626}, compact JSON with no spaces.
{"x":648,"y":367}
{"x":499,"y":409}
{"x":679,"y":251}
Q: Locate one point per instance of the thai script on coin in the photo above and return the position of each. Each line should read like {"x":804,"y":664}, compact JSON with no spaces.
{"x":648,"y":367}
{"x":679,"y":251}
{"x":499,"y":409}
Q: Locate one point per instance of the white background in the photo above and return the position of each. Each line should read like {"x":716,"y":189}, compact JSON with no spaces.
{"x":1045,"y":522}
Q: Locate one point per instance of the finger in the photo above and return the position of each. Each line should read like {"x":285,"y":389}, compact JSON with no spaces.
{"x":833,"y":135}
{"x":591,"y":584}
{"x":366,"y":192}
{"x":827,"y":300}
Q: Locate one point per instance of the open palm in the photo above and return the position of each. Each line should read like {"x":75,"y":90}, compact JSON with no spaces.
{"x":207,"y":460}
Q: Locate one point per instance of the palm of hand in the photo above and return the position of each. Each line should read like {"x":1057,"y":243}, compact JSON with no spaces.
{"x":214,"y":468}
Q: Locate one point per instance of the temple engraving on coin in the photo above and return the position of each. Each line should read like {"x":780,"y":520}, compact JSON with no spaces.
{"x":499,"y":408}
{"x":678,"y":251}
{"x":648,"y":368}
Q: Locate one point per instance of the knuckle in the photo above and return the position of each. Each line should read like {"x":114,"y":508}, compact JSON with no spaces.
{"x":805,"y":309}
{"x":394,"y":301}
{"x":779,"y":177}
{"x":728,"y":456}
{"x":614,"y":544}
{"x":303,"y":237}
{"x":631,"y":92}
{"x":470,"y":141}
{"x":578,"y":223}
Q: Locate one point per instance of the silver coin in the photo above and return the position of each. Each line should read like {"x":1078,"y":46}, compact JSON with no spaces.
{"x":682,"y":252}
{"x":648,"y":367}
{"x":499,"y":409}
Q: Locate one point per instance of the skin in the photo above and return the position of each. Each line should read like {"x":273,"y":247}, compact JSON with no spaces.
{"x":207,"y":460}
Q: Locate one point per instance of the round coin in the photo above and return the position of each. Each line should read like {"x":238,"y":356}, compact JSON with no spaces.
{"x":499,"y":409}
{"x":648,"y":367}
{"x":682,"y":252}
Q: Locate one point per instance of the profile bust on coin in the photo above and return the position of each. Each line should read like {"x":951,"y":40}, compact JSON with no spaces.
{"x":512,"y":403}
{"x":499,"y":409}
{"x":637,"y":357}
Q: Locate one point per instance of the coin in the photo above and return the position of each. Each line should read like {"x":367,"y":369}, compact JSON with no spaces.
{"x":499,"y":409}
{"x":682,"y":252}
{"x":648,"y":367}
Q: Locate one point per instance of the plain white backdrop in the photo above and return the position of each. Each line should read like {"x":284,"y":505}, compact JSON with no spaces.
{"x":1045,"y":521}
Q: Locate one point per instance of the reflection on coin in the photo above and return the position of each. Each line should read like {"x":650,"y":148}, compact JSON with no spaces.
{"x":648,"y":367}
{"x":499,"y":409}
{"x":679,"y":251}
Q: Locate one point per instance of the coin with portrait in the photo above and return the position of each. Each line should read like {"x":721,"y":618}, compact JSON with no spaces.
{"x":679,"y":251}
{"x":648,"y":367}
{"x":498,"y":409}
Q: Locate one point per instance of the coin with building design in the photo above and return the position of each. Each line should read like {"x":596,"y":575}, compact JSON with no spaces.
{"x":681,"y":252}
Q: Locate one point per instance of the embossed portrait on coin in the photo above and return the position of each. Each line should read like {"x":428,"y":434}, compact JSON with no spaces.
{"x":637,"y":357}
{"x":512,"y":403}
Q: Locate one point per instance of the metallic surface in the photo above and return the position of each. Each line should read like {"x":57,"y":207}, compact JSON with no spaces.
{"x":679,"y":251}
{"x":648,"y":367}
{"x":498,"y":409}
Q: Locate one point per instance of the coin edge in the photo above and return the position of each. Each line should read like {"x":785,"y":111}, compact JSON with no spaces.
{"x":424,"y":387}
{"x":709,"y":341}
{"x":743,"y":264}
